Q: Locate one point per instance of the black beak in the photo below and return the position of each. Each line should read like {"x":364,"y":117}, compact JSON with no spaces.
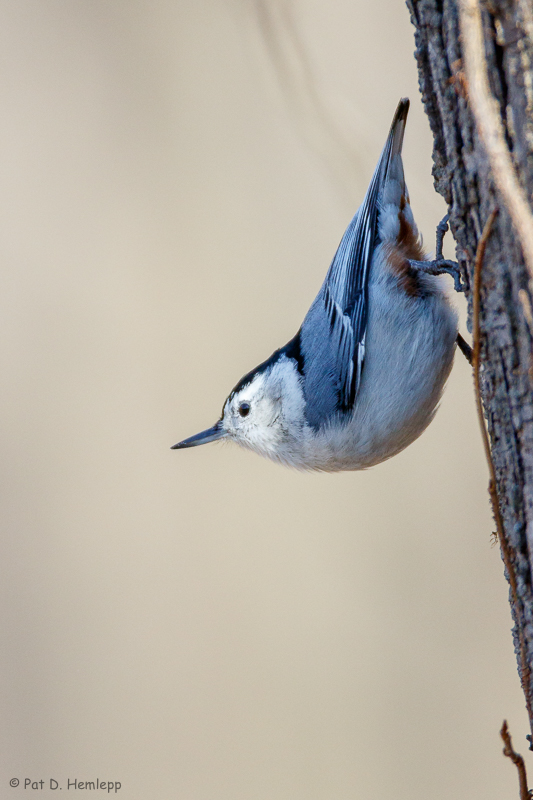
{"x":210,"y":435}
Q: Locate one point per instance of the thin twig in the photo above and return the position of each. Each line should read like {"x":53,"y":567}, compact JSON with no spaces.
{"x":490,"y":128}
{"x":476,"y":335}
{"x":517,"y":759}
{"x":525,"y":673}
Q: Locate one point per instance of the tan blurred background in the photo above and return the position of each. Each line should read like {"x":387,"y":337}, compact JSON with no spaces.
{"x":175,"y":178}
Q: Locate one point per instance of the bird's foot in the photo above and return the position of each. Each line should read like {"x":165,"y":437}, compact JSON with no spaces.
{"x":465,"y":349}
{"x":441,"y":265}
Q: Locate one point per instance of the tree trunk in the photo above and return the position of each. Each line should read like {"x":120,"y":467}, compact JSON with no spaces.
{"x":471,"y":188}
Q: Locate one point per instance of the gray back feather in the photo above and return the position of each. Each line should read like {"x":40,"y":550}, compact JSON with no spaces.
{"x":333,"y":332}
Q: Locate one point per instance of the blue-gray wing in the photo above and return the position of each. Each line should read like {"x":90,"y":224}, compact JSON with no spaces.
{"x":333,"y":333}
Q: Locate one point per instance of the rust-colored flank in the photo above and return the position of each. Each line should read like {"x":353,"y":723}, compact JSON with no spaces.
{"x":407,"y":246}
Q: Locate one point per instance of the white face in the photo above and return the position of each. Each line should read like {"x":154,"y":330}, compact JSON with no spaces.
{"x":266,"y":414}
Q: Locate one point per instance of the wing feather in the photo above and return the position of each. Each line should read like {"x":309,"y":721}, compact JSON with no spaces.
{"x":345,"y":291}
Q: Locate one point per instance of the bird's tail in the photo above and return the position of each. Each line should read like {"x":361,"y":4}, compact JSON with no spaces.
{"x":348,"y":273}
{"x":390,"y":165}
{"x":396,"y":225}
{"x":397,"y":127}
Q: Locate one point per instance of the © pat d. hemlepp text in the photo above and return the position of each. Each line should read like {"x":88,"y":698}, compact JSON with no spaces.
{"x":71,"y":784}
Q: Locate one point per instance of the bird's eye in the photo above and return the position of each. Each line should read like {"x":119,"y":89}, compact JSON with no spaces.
{"x":244,"y":409}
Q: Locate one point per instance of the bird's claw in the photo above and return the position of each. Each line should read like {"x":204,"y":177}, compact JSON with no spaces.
{"x":441,"y":265}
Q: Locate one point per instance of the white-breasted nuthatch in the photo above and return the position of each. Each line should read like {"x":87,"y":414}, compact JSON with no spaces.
{"x":363,"y":376}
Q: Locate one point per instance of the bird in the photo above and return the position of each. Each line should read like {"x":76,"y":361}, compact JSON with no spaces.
{"x":363,"y":376}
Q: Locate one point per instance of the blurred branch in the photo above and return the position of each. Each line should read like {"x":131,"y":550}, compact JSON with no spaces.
{"x":517,"y":759}
{"x":293,"y":68}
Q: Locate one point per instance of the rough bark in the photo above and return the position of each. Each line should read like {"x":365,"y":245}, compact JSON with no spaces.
{"x":463,"y":177}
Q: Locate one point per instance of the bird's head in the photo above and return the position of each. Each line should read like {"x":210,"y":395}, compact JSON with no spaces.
{"x":264,"y":412}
